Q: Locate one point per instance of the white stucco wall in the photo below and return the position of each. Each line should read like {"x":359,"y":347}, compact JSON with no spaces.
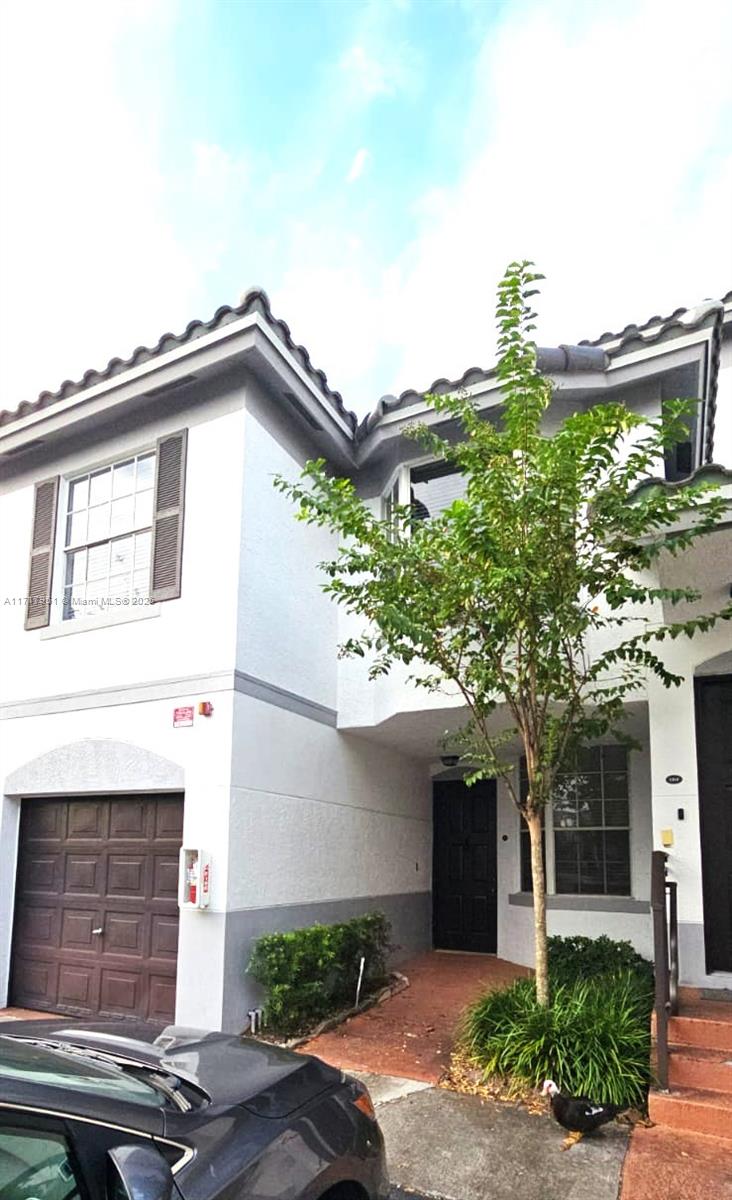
{"x":287,"y":627}
{"x":192,"y":635}
{"x":317,"y":815}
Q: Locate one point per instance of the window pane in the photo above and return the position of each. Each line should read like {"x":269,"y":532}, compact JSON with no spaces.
{"x":35,"y":1164}
{"x":73,"y":1072}
{"x":76,"y":566}
{"x":73,"y":602}
{"x":99,"y":486}
{"x":121,"y":559}
{"x":145,"y":471}
{"x":588,"y":758}
{"x":123,"y":511}
{"x":143,"y":542}
{"x":616,"y":845}
{"x":143,"y":509}
{"x":97,"y":591}
{"x":434,"y":488}
{"x":615,"y":785}
{"x":78,"y":494}
{"x":616,"y":812}
{"x":565,"y":809}
{"x":119,"y":585}
{"x":76,"y":528}
{"x":566,"y":862}
{"x":141,"y":583}
{"x":615,"y":758}
{"x":565,"y":787}
{"x":590,"y":813}
{"x":98,"y":562}
{"x":98,"y":523}
{"x":123,"y":482}
{"x":589,"y":787}
{"x":618,"y":877}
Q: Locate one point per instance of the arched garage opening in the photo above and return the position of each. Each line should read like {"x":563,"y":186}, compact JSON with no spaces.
{"x":91,"y":917}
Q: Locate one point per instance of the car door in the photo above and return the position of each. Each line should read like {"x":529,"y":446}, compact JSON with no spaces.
{"x":38,"y":1159}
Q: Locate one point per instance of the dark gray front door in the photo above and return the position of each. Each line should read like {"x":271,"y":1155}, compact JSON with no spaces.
{"x":464,"y":869}
{"x":96,"y":909}
{"x":714,"y":756}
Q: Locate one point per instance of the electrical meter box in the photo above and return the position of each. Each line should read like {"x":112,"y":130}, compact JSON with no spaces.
{"x":194,"y":879}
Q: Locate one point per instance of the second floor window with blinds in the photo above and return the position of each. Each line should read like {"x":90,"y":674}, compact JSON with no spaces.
{"x":108,"y":537}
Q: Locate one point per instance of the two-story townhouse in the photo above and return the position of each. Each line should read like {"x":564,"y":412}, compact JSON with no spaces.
{"x":170,"y":679}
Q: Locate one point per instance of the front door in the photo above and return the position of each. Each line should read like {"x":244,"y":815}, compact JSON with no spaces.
{"x":714,"y":754}
{"x":464,"y":874}
{"x":96,"y":908}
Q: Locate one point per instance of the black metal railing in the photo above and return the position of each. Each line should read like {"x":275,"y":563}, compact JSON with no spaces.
{"x":665,"y":956}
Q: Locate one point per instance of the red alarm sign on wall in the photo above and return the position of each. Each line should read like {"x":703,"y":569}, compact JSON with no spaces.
{"x":183,"y":716}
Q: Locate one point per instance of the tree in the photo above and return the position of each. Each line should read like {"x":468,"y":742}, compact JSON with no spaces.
{"x":510,"y":593}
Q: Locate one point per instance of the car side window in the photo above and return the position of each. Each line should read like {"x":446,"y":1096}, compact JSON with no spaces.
{"x":35,"y":1165}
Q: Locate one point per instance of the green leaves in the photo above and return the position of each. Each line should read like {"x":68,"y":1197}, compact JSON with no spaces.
{"x":309,"y":974}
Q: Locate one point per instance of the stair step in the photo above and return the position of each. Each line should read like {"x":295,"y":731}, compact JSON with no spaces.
{"x":708,"y":1032}
{"x":693,"y":1110}
{"x":698,"y":1067}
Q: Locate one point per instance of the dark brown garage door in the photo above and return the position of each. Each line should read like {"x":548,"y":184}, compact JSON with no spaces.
{"x":96,"y":911}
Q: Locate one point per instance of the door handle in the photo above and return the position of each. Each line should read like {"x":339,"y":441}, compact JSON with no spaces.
{"x":99,"y":930}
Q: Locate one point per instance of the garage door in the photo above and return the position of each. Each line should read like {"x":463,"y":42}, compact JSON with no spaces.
{"x":96,"y":913}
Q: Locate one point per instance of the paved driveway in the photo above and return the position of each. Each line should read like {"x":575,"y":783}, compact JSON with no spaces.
{"x":458,"y":1147}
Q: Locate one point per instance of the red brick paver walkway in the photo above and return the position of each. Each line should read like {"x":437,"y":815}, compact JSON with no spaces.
{"x":411,"y":1035}
{"x":666,"y":1164}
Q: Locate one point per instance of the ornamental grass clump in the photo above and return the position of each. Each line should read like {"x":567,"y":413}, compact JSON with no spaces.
{"x":593,"y":1040}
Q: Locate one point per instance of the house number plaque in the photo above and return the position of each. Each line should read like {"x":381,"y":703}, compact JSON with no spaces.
{"x":674,"y":779}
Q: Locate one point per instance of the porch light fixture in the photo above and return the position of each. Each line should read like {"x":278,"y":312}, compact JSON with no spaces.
{"x":450,"y":760}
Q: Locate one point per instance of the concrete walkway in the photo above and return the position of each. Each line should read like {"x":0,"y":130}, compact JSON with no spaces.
{"x":463,"y":1148}
{"x":412,"y":1034}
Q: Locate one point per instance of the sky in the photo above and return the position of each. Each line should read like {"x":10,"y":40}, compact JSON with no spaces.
{"x":373,"y":164}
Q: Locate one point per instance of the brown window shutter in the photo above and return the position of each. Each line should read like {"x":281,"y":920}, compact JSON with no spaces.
{"x":38,"y":603}
{"x":170,"y":486}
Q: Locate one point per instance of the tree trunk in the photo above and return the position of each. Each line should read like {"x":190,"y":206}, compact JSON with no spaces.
{"x":533,"y":820}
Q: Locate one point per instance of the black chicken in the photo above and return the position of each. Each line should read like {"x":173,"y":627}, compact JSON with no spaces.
{"x":577,"y":1114}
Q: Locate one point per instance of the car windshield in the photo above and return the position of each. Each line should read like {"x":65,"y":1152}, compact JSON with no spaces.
{"x":74,"y":1070}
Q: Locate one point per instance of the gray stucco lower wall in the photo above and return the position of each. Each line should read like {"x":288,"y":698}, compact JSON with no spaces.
{"x":410,"y":915}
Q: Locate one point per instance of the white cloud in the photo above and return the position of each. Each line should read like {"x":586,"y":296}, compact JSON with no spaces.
{"x":356,"y":170}
{"x":367,"y":77}
{"x":89,"y":257}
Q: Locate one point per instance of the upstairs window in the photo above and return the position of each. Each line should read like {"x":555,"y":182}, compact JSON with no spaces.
{"x":434,"y":487}
{"x":427,"y":490}
{"x":108,"y":536}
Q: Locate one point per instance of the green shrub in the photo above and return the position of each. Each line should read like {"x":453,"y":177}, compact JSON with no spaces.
{"x":310,"y":974}
{"x":593,"y":1040}
{"x":573,"y":958}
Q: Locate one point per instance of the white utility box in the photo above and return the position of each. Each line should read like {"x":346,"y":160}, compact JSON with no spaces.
{"x":194,"y":879}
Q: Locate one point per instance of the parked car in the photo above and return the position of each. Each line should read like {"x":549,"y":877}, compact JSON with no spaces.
{"x":91,"y":1112}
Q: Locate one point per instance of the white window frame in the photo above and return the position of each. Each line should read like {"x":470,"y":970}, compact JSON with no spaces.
{"x":101,"y":615}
